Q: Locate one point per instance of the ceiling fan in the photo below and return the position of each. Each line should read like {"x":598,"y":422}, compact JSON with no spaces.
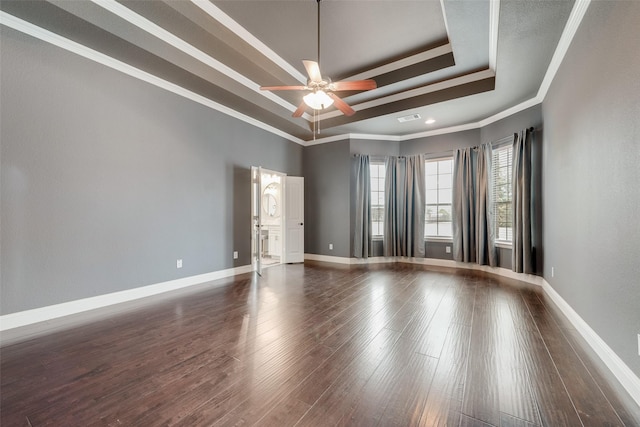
{"x":321,"y":89}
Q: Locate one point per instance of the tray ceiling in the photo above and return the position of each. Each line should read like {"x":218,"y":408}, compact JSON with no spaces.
{"x":457,"y":62}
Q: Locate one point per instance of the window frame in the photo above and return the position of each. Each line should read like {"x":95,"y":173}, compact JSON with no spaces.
{"x":381,"y":165}
{"x":438,"y":238}
{"x":504,"y":243}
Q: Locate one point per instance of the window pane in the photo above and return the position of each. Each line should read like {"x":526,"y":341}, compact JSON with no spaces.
{"x":445,"y":180}
{"x":431,"y":196}
{"x":431,"y":229}
{"x":444,"y":213}
{"x":431,"y":182}
{"x":444,"y":195}
{"x":431,"y":214}
{"x":438,"y":197}
{"x":377,"y":198}
{"x":502,"y":193}
{"x":445,"y":229}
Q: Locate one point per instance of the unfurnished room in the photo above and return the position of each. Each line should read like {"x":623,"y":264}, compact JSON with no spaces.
{"x":320,"y":213}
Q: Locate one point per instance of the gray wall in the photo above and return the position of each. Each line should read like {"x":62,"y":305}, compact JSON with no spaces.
{"x":531,"y":117}
{"x":591,"y":186}
{"x":107,"y":180}
{"x":440,"y":145}
{"x":327,"y":175}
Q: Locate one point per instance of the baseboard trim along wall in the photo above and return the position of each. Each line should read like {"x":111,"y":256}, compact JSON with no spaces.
{"x":22,"y":325}
{"x":504,"y":272}
{"x":618,"y":368}
{"x":38,"y":321}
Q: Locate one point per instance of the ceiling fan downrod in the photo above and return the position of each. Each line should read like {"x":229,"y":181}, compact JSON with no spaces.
{"x":318,"y":2}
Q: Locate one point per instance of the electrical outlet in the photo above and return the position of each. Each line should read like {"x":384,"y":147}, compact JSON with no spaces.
{"x":552,"y":272}
{"x":179,"y":263}
{"x":448,"y":249}
{"x":235,"y":254}
{"x":330,"y":246}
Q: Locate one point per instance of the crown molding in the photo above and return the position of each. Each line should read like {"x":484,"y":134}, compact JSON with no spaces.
{"x":494,"y":23}
{"x":93,"y":55}
{"x":172,"y":40}
{"x":575,"y":18}
{"x":249,"y":38}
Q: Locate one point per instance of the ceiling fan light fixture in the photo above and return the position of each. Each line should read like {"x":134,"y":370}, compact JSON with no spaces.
{"x":318,"y":100}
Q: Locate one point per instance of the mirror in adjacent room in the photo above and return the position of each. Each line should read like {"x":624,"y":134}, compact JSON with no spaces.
{"x":270,"y":200}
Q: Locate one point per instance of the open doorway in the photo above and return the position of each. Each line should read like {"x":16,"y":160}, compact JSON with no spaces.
{"x":267,"y":198}
{"x":272,"y":199}
{"x":277,"y":218}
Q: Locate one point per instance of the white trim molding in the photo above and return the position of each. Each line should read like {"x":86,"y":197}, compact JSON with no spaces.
{"x":44,"y":319}
{"x":93,"y":55}
{"x":172,"y":40}
{"x":618,"y":368}
{"x":435,"y":262}
{"x":579,"y":9}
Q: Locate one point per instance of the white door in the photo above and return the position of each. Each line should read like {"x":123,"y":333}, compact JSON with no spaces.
{"x":294,"y":214}
{"x":256,"y":218}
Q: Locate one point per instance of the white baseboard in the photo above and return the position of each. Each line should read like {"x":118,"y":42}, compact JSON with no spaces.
{"x":620,"y":370}
{"x":12,"y":326}
{"x":504,"y":272}
{"x":48,"y":318}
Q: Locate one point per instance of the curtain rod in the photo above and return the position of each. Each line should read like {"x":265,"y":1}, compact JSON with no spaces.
{"x":497,"y":143}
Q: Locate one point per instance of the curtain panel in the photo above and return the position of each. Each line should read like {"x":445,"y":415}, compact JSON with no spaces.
{"x":404,"y":206}
{"x":485,"y":234}
{"x":522,"y":253}
{"x":362,"y":241}
{"x":472,"y":208}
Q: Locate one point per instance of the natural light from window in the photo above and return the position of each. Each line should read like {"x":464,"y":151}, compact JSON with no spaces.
{"x":438,"y":178}
{"x":377,"y":199}
{"x":502,"y":193}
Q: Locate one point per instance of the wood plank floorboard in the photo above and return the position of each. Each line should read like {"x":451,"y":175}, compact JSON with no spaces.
{"x":320,"y":345}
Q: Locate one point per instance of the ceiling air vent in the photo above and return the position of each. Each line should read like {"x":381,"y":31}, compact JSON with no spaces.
{"x":409,"y":118}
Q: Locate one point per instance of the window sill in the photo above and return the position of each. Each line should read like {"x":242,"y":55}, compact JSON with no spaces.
{"x":503,"y":244}
{"x":438,"y":239}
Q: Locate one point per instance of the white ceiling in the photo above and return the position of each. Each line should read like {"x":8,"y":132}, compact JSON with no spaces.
{"x":458,"y":62}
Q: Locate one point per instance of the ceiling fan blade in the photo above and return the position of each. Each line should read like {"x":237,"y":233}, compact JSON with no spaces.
{"x":283,"y":87}
{"x":300,"y":111}
{"x":313,"y":70}
{"x":354,"y":85}
{"x":341,"y":105}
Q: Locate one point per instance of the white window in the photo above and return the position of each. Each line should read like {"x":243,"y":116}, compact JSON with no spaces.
{"x":438,"y":178}
{"x":377,"y":199}
{"x":502,"y":193}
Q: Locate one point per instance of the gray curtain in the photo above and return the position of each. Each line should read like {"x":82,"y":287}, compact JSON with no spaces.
{"x":473,"y":235}
{"x":404,"y":206}
{"x":485,"y":233}
{"x":392,"y":216}
{"x":415,"y":200}
{"x":362,"y":234}
{"x":463,"y":207}
{"x":522,"y":255}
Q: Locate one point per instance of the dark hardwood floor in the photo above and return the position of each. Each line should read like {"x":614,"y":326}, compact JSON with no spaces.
{"x":321,"y":345}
